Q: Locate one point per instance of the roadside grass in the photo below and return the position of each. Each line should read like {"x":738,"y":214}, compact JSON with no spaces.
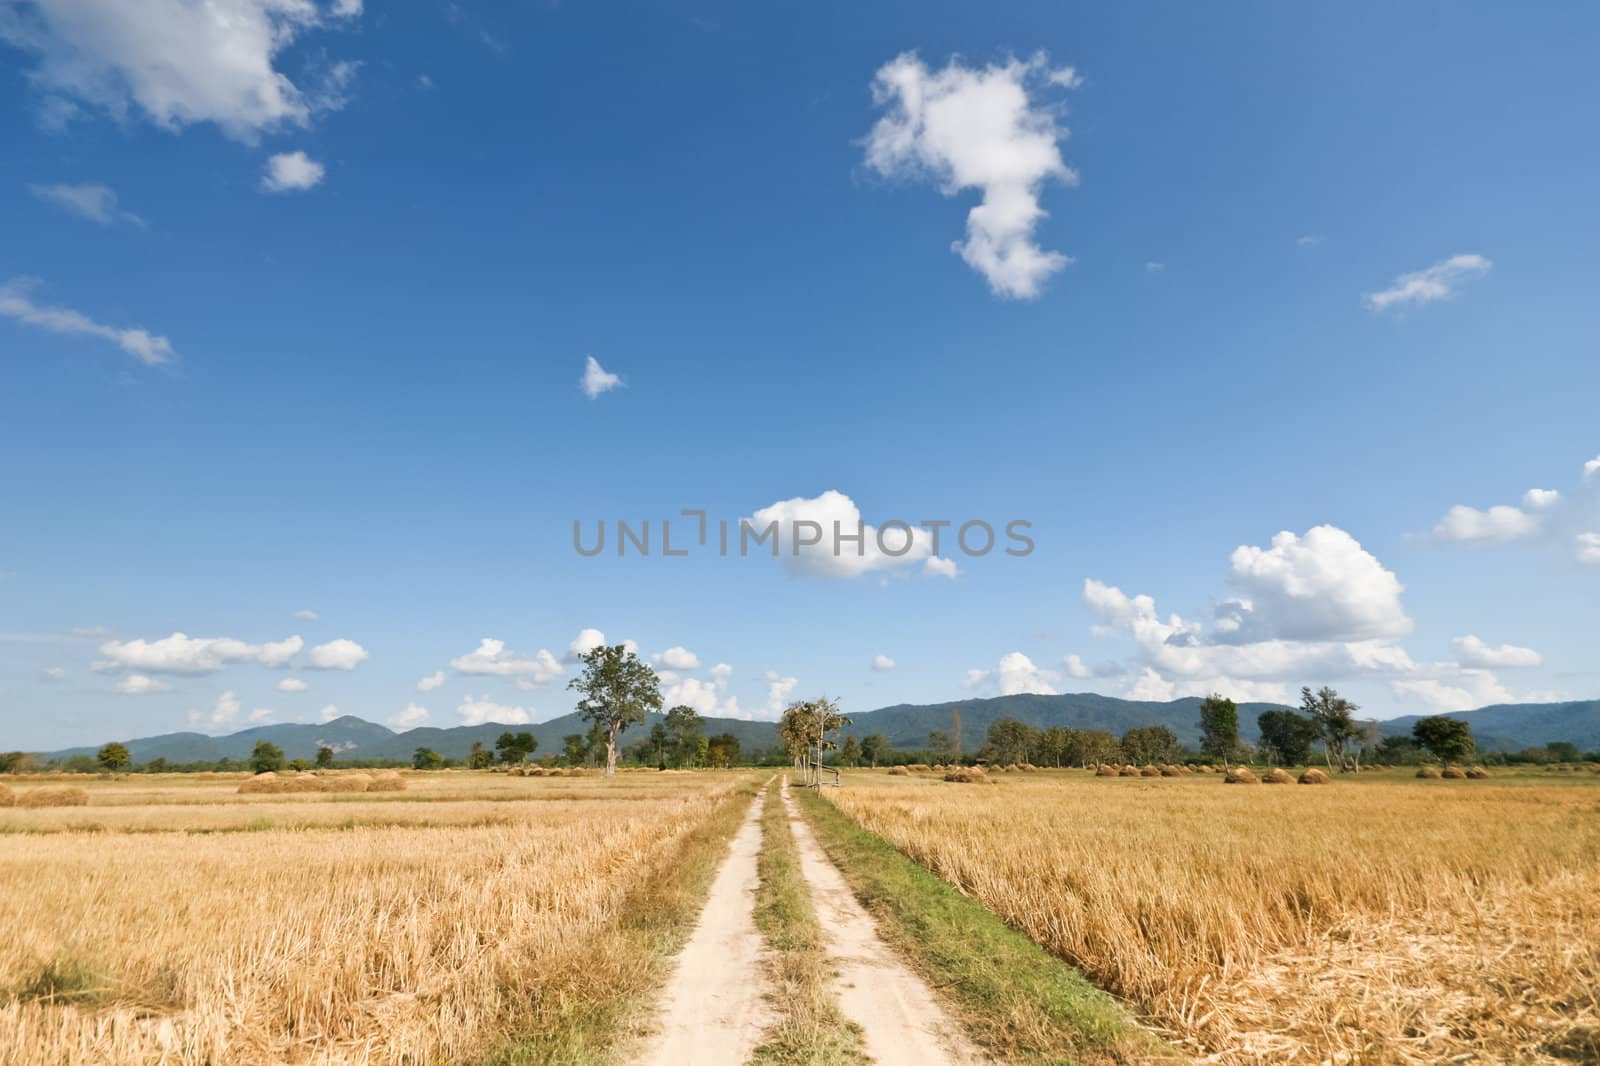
{"x":811,"y":1030}
{"x":1014,"y":998}
{"x":598,"y":998}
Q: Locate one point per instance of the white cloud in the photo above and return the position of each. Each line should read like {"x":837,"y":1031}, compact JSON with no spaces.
{"x":97,"y":203}
{"x":778,"y":690}
{"x":474,"y":711}
{"x":223,"y":713}
{"x":1309,"y":240}
{"x":1497,"y":525}
{"x":307,"y":616}
{"x":677,"y":658}
{"x":338,"y":654}
{"x":410,"y":718}
{"x":1472,"y":652}
{"x":1322,"y":586}
{"x":291,"y":172}
{"x":261,"y":715}
{"x":182,"y":654}
{"x":882,"y":664}
{"x":1014,"y":674}
{"x":1463,"y":689}
{"x":292,"y":684}
{"x":709,"y":698}
{"x":1591,"y":468}
{"x":940,"y":566}
{"x":978,"y":128}
{"x":596,"y":379}
{"x":1540,"y":499}
{"x":177,"y":62}
{"x":1437,"y":282}
{"x":589,"y":639}
{"x":328,"y":713}
{"x":431,"y":682}
{"x":16,"y":302}
{"x":798,"y":520}
{"x":1587,"y":548}
{"x":1076,"y":668}
{"x":492,"y":658}
{"x":1154,"y":267}
{"x":1151,"y":686}
{"x":139,"y":685}
{"x":55,"y":673}
{"x":1546,"y":517}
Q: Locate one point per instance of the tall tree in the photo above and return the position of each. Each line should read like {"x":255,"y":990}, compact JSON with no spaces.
{"x":1289,"y":736}
{"x":723,"y":750}
{"x":112,"y":757}
{"x":810,"y":725}
{"x":1335,"y":720}
{"x":1219,"y":727}
{"x":941,"y":746}
{"x":850,"y":753}
{"x":955,"y":732}
{"x":480,"y":758}
{"x":875,"y":749}
{"x":684,"y":728}
{"x":324,"y":757}
{"x":574,"y":749}
{"x":1010,"y":741}
{"x":1150,"y":744}
{"x":265,"y":756}
{"x":514,"y":748}
{"x":1450,"y":739}
{"x":617,"y":691}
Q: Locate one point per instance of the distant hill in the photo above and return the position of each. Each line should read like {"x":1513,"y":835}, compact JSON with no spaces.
{"x":1499,"y":728}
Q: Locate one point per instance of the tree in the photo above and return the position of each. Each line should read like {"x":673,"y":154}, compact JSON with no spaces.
{"x":1288,"y":735}
{"x":940,"y":745}
{"x":875,"y":749}
{"x":265,"y":757}
{"x":424,"y":759}
{"x":809,"y":725}
{"x":684,"y":728}
{"x":480,"y":758}
{"x":617,"y":691}
{"x":16,"y":762}
{"x":657,"y":745}
{"x":574,"y":749}
{"x":1450,"y":739}
{"x":850,"y":754}
{"x":324,"y":757}
{"x":1098,"y":746}
{"x":1335,"y":720}
{"x":955,"y":733}
{"x":1057,"y":746}
{"x":112,"y":757}
{"x":1009,"y":741}
{"x":1219,"y":726}
{"x":1150,"y":744}
{"x":723,"y":750}
{"x":513,"y":748}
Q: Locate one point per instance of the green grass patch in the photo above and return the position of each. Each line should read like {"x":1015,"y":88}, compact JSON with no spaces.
{"x":810,"y":1030}
{"x":1015,"y":999}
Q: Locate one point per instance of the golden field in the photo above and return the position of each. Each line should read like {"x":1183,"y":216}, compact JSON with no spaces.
{"x":173,"y":920}
{"x":1373,"y":919}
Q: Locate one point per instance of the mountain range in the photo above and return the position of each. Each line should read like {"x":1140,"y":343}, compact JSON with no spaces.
{"x":1504,"y":727}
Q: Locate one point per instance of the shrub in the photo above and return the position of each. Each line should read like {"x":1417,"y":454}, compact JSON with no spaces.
{"x":1313,"y":776}
{"x":969,"y":775}
{"x":899,"y":771}
{"x":1428,"y":771}
{"x":1239,"y":775}
{"x":54,"y":796}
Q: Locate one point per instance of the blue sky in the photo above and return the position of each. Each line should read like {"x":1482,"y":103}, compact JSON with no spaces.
{"x":1330,"y":276}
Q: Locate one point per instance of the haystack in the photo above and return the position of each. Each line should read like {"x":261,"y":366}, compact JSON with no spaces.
{"x":1105,"y":771}
{"x":54,"y":796}
{"x":1171,"y":771}
{"x":347,"y":783}
{"x":1278,"y":776}
{"x":1428,"y":771}
{"x":1477,"y":773}
{"x":387,"y":782}
{"x":1313,"y":776}
{"x":267,"y":782}
{"x":307,"y":783}
{"x":8,"y":798}
{"x":1128,"y":771}
{"x":1454,"y":773}
{"x":1206,"y":768}
{"x":968,"y":775}
{"x":1149,"y":771}
{"x":1239,"y":775}
{"x":899,"y":771}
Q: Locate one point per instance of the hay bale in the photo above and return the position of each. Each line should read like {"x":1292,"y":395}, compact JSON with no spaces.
{"x":1278,"y":776}
{"x":919,"y":768}
{"x":1105,"y":771}
{"x":1454,"y":773}
{"x":1128,"y":771}
{"x":263,"y":783}
{"x":54,"y":796}
{"x":899,"y":771}
{"x":307,"y":783}
{"x":1428,"y":771}
{"x":1477,"y":773}
{"x":1239,"y":775}
{"x":968,"y":775}
{"x":1149,"y":771}
{"x":1206,"y":768}
{"x":1313,"y":776}
{"x":8,"y":798}
{"x":387,"y":782}
{"x":1191,"y":767}
{"x":347,"y":783}
{"x":1028,"y":768}
{"x":1171,"y":771}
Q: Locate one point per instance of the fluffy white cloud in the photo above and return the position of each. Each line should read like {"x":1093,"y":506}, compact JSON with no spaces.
{"x":17,"y":302}
{"x":1540,"y":499}
{"x":1322,"y":586}
{"x":292,"y":172}
{"x":1472,"y":652}
{"x":307,"y":616}
{"x":97,"y":203}
{"x":1015,"y":673}
{"x":708,"y":697}
{"x":55,"y":673}
{"x":1076,"y":668}
{"x":432,"y":681}
{"x":940,"y":566}
{"x":261,"y":715}
{"x":338,"y":654}
{"x":1587,"y":548}
{"x":1437,"y":282}
{"x":139,"y":685}
{"x":677,"y":658}
{"x":596,"y":379}
{"x":328,"y":713}
{"x":1497,"y":525}
{"x":778,"y":691}
{"x":177,"y":62}
{"x":1591,"y":468}
{"x":182,"y":654}
{"x":492,"y":658}
{"x":1546,"y":518}
{"x":882,"y":664}
{"x":292,"y":684}
{"x":410,"y":718}
{"x":588,"y":640}
{"x":815,"y":538}
{"x":979,"y":128}
{"x":223,"y":713}
{"x":474,"y":711}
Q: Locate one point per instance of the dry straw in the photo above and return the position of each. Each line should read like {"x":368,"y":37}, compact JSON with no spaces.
{"x":1239,"y":775}
{"x":969,"y":775}
{"x":7,"y":797}
{"x":1278,"y":776}
{"x":1428,"y":771}
{"x":54,"y":796}
{"x":1313,"y":776}
{"x":899,"y":771}
{"x":1454,"y":773}
{"x":1105,"y":771}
